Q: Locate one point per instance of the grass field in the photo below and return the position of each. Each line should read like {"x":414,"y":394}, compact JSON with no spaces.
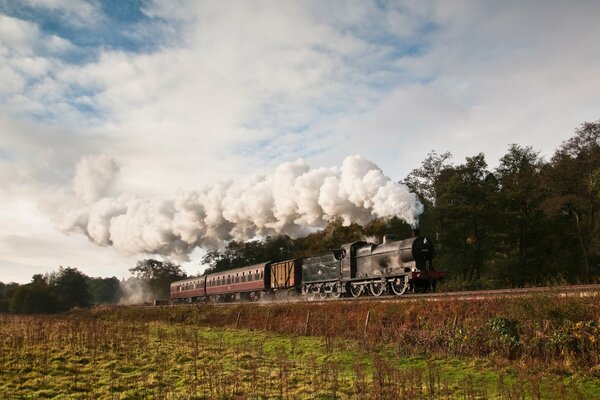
{"x":177,"y":353}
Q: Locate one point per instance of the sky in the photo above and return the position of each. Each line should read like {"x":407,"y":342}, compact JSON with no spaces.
{"x":169,"y":97}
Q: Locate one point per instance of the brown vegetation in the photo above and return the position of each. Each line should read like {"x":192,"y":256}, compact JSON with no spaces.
{"x":544,"y":331}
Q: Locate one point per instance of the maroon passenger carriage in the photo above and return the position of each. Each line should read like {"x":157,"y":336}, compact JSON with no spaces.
{"x":237,"y":284}
{"x":188,"y":290}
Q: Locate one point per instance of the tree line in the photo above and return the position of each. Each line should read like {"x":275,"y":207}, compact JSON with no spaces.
{"x":68,"y":288}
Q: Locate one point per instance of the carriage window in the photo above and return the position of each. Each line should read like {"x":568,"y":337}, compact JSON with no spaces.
{"x":261,"y":274}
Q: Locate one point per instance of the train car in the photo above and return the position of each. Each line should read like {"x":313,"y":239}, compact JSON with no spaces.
{"x":248,"y":283}
{"x":187,"y":290}
{"x":286,"y":278}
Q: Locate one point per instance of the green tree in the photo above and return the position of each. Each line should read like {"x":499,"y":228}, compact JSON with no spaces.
{"x":421,"y":181}
{"x":332,"y":237}
{"x":424,"y":181}
{"x":104,"y":290}
{"x":465,"y":210}
{"x":521,"y":236}
{"x":573,"y":201}
{"x":238,"y":254}
{"x":158,"y":275}
{"x":70,"y":287}
{"x":6,"y":292}
{"x":33,"y":298}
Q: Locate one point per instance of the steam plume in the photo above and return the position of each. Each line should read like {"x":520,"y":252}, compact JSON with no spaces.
{"x":293,"y":200}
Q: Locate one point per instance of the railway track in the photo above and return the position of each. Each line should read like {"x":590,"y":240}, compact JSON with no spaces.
{"x":557,"y":291}
{"x":475,"y":295}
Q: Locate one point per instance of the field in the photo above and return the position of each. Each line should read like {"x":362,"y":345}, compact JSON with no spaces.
{"x":539,"y":348}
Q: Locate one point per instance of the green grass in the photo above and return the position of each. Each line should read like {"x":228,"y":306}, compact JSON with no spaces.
{"x":70,"y":358}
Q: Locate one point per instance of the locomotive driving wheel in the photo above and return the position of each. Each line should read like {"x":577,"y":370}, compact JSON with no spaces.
{"x":323,"y":292}
{"x":399,"y":285}
{"x":336,"y":291}
{"x":355,"y":289}
{"x":376,"y":288}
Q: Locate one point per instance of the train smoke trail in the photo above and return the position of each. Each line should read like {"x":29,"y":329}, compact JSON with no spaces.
{"x":293,"y":200}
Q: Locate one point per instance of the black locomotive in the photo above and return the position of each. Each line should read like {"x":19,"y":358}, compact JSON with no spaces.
{"x":355,"y":269}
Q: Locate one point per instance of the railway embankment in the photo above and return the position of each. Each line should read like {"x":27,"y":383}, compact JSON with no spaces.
{"x":544,"y":329}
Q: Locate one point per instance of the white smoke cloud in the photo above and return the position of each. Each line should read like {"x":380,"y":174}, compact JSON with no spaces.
{"x":93,"y":177}
{"x":293,"y":200}
{"x":135,"y":292}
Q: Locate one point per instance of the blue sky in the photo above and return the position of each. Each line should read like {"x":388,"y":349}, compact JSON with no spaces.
{"x":183,"y":94}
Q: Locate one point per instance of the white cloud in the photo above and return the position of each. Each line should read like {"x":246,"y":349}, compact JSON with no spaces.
{"x":17,"y":37}
{"x":73,"y":12}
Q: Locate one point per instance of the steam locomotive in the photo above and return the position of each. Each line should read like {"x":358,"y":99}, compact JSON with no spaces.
{"x":355,"y":269}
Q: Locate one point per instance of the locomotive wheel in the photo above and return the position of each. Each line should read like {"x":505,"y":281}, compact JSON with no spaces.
{"x":315,"y":291}
{"x":399,"y":285}
{"x":323,"y":291}
{"x":355,"y":290}
{"x":336,"y":291}
{"x":308,"y":292}
{"x":377,"y":288}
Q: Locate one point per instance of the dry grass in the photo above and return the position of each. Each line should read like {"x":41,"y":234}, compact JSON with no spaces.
{"x":73,"y":358}
{"x":541,"y":331}
{"x":498,"y":349}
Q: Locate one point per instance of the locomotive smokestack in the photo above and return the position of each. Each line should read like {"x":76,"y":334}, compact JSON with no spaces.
{"x":416,"y":232}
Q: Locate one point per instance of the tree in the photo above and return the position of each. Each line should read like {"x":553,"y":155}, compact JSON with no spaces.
{"x":422,"y":180}
{"x":521,"y":229}
{"x":33,"y":298}
{"x":573,"y":180}
{"x":6,"y":292}
{"x":70,"y":287}
{"x":465,"y":210}
{"x":238,"y":254}
{"x":104,"y":290}
{"x":158,"y":275}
